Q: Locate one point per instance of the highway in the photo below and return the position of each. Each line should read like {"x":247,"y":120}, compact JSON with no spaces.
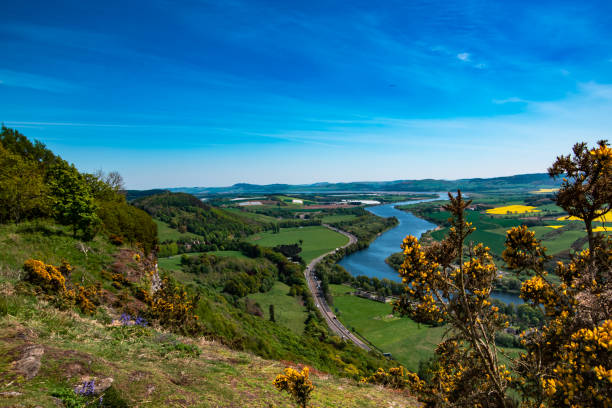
{"x":319,"y":299}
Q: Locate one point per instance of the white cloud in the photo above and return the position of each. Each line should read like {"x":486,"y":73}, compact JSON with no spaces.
{"x":464,"y":56}
{"x":513,"y":99}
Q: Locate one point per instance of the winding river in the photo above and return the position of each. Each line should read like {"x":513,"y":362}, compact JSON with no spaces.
{"x":371,"y":261}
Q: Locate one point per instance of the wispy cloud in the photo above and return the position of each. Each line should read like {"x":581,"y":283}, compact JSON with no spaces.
{"x":34,"y":81}
{"x":464,"y":56}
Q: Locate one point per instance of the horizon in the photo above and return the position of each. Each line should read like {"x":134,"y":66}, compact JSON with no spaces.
{"x":346,"y":182}
{"x":262,"y":92}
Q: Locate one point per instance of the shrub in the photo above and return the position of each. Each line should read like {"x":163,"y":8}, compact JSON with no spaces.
{"x":296,"y":384}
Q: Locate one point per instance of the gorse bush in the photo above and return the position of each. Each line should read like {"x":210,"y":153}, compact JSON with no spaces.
{"x":174,"y":308}
{"x":54,"y":282}
{"x":567,"y":361}
{"x":395,"y":377}
{"x":296,"y":384}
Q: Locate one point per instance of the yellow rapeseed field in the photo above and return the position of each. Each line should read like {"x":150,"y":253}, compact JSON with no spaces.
{"x":554,"y":226}
{"x":517,"y":209}
{"x":545,"y":190}
{"x":601,"y":229}
{"x":605,"y":218}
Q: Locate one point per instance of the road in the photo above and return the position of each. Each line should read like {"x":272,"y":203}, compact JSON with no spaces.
{"x":333,"y":323}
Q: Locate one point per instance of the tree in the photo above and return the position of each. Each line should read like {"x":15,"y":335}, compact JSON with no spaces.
{"x":568,"y":361}
{"x":72,"y":200}
{"x":586,"y":191}
{"x":23,"y":193}
{"x":450,"y":282}
{"x":271,"y":312}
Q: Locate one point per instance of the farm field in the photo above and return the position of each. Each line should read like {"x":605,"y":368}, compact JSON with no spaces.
{"x":166,"y":233}
{"x":174,"y":262}
{"x":407,"y":341}
{"x":316,"y":240}
{"x":287,"y":309}
{"x":252,"y":215}
{"x":338,"y":218}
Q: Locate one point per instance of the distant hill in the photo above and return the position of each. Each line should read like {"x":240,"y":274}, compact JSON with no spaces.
{"x":521,"y":182}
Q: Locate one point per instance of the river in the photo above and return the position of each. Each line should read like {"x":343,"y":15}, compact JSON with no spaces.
{"x":371,"y":261}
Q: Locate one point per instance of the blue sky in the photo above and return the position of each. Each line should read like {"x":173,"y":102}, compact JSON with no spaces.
{"x":210,"y":93}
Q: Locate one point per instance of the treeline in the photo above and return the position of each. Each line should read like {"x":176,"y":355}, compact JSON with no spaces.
{"x":365,"y":227}
{"x":37,"y":184}
{"x":186,"y":213}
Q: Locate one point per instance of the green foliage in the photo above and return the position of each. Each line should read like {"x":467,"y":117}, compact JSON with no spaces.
{"x":69,"y":398}
{"x":72,"y":201}
{"x":23,"y":194}
{"x":187,"y":213}
{"x":132,"y":224}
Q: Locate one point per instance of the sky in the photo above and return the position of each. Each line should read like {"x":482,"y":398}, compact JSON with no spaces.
{"x":212,"y":93}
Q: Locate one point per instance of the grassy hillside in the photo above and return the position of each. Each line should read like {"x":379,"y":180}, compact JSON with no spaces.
{"x":288,"y":311}
{"x":149,"y":367}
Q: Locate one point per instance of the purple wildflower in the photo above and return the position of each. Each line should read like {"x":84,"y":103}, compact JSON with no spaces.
{"x":140,"y":321}
{"x":125,"y":319}
{"x":87,"y":388}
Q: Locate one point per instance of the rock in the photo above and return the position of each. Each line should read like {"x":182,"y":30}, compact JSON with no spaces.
{"x":103,"y":385}
{"x":100,"y":384}
{"x":8,"y":394}
{"x":29,"y":363}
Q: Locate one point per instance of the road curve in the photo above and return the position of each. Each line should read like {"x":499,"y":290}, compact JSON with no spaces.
{"x":319,"y":299}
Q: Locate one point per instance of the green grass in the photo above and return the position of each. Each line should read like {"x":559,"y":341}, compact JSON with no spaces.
{"x":338,"y":218}
{"x":563,"y":241}
{"x":51,"y":243}
{"x":316,"y":240}
{"x":174,"y":262}
{"x":166,"y":233}
{"x":252,"y":215}
{"x":152,"y":368}
{"x":407,"y":341}
{"x":287,"y":309}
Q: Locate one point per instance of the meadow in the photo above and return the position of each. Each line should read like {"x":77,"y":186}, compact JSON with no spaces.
{"x":173,"y":263}
{"x":287,"y":309}
{"x":167,"y":233}
{"x":316,"y":240}
{"x":407,"y":341}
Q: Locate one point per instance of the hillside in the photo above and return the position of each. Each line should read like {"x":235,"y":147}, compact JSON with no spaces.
{"x":144,"y":366}
{"x":81,"y":297}
{"x":522,"y":182}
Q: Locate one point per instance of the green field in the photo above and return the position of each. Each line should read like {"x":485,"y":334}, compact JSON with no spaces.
{"x":407,"y":341}
{"x":338,"y":218}
{"x":252,"y":215}
{"x":166,"y":233}
{"x":174,"y":262}
{"x":316,"y":240}
{"x":287,"y":309}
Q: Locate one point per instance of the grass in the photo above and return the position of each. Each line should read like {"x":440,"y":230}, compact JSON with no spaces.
{"x":252,"y":215}
{"x":174,"y":262}
{"x":152,"y":368}
{"x":407,"y":341}
{"x":166,"y":233}
{"x":338,"y":218}
{"x":287,"y":309}
{"x":316,"y":240}
{"x":52,"y":244}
